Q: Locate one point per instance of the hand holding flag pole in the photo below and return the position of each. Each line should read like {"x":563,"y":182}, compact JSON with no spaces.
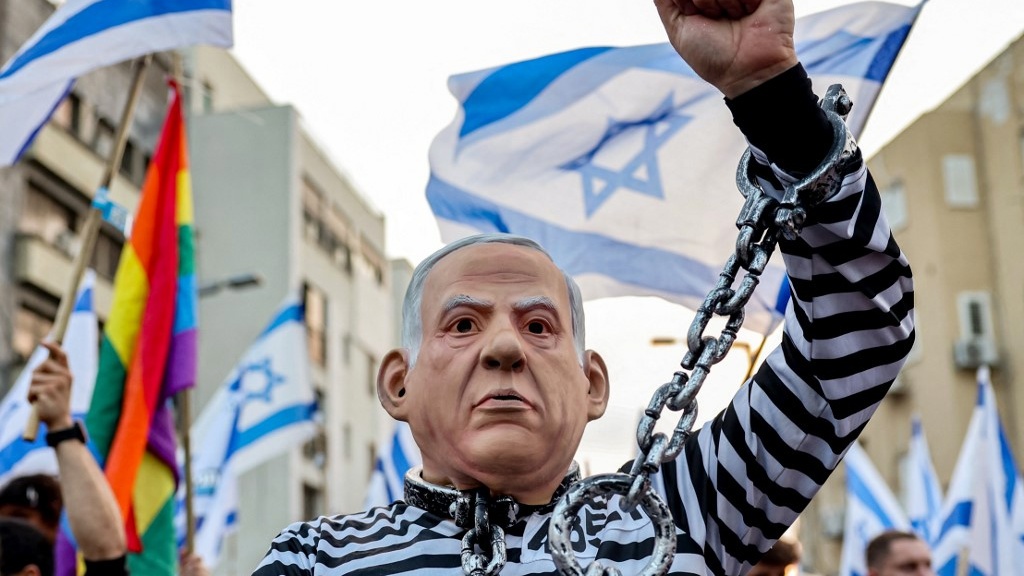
{"x":91,"y":227}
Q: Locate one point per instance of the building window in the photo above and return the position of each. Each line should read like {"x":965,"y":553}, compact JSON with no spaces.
{"x":371,"y":374}
{"x":316,"y":324}
{"x":207,"y":98}
{"x":103,"y":141}
{"x":960,"y":180}
{"x":128,"y":161}
{"x":46,"y":218}
{"x":312,"y":501}
{"x":337,"y":248}
{"x":30,"y":327}
{"x":106,"y":255}
{"x":312,"y":201}
{"x":346,"y":436}
{"x":68,"y":114}
{"x":894,"y":204}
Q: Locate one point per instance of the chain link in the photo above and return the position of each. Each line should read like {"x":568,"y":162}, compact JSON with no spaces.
{"x":761,"y":222}
{"x":490,"y":539}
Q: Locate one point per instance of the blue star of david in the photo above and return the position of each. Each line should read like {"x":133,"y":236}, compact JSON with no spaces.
{"x":256,"y":381}
{"x":641,"y":173}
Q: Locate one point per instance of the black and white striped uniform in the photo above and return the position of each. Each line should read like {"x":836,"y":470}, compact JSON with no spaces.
{"x":746,"y":475}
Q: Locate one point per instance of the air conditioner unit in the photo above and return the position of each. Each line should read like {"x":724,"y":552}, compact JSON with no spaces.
{"x":972,"y":353}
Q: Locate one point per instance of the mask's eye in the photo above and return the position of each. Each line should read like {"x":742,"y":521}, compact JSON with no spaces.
{"x":536,"y":327}
{"x":464,"y":325}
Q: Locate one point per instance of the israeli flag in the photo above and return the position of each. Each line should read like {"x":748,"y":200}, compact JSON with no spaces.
{"x":620,"y":161}
{"x":83,"y":35}
{"x":995,"y":546}
{"x":81,"y":344}
{"x":871,"y":508}
{"x":264,"y":408}
{"x":958,"y":507}
{"x":395,"y":457}
{"x":924,"y":493}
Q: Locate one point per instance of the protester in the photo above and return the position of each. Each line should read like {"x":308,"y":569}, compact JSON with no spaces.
{"x":783,"y":559}
{"x":898,"y":553}
{"x":497,"y":386}
{"x":24,"y":549}
{"x":92,"y":512}
{"x":35,"y":498}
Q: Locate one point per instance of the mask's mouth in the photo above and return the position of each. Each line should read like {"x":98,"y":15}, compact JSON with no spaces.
{"x":506,"y":395}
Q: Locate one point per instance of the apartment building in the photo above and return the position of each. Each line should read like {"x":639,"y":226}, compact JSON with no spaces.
{"x":270,"y":203}
{"x":47,"y":194}
{"x":952,"y":186}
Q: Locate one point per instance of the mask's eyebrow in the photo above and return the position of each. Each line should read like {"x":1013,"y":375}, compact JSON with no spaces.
{"x":460,"y":300}
{"x":536,"y":303}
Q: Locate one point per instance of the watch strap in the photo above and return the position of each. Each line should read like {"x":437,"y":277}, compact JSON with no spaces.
{"x":75,"y":432}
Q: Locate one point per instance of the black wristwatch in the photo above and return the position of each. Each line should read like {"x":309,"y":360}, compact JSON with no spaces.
{"x":75,"y":432}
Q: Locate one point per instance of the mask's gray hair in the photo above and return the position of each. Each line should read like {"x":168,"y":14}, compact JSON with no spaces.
{"x":412,"y":307}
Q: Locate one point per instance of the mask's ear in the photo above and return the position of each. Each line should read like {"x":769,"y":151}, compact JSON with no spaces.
{"x":597,"y":374}
{"x":391,"y":383}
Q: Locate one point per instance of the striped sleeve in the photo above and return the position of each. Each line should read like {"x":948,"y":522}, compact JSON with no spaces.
{"x":744,"y":477}
{"x":292,"y":553}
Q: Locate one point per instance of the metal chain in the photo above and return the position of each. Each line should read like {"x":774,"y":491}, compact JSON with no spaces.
{"x":489,"y":538}
{"x":761,"y":222}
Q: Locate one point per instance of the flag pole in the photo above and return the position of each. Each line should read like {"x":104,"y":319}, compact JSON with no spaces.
{"x":91,"y":227}
{"x":753,"y":358}
{"x":184,"y":398}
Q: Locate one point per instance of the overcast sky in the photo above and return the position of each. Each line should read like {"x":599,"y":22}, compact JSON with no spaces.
{"x":369,"y":79}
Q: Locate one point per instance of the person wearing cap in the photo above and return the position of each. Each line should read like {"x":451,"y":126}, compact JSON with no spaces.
{"x":36,"y":499}
{"x":497,"y":386}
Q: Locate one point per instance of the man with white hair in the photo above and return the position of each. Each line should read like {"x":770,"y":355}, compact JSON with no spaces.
{"x":497,"y":386}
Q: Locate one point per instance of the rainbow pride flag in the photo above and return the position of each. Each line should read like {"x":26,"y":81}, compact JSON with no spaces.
{"x":148,"y":354}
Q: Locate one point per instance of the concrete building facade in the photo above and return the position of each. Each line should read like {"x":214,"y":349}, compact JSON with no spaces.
{"x":952,"y":186}
{"x":269,"y":202}
{"x":47,"y":193}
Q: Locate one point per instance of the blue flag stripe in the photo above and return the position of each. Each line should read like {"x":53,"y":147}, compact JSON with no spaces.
{"x":102,"y":16}
{"x":578,"y":252}
{"x":294,"y":313}
{"x":511,"y":87}
{"x":860,"y":490}
{"x":277,"y":421}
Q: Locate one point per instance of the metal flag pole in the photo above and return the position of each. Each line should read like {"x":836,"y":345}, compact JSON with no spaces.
{"x":91,"y":227}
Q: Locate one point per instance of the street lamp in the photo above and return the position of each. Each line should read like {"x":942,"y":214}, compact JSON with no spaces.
{"x":237,"y":282}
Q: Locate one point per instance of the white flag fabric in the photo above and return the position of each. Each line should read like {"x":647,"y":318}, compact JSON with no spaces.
{"x":995,"y":547}
{"x":955,"y":518}
{"x":264,"y":408}
{"x":81,"y":344}
{"x":83,"y":35}
{"x":395,"y":457}
{"x":616,"y":159}
{"x":871,"y":508}
{"x":924,"y":493}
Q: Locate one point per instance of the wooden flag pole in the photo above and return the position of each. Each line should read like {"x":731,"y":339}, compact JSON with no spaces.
{"x":753,"y":359}
{"x":184,"y":399}
{"x":91,"y":227}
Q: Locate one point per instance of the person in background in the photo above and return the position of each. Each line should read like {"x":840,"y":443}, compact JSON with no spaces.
{"x":24,"y":550}
{"x":782,"y":559}
{"x":36,"y":499}
{"x":898,"y":553}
